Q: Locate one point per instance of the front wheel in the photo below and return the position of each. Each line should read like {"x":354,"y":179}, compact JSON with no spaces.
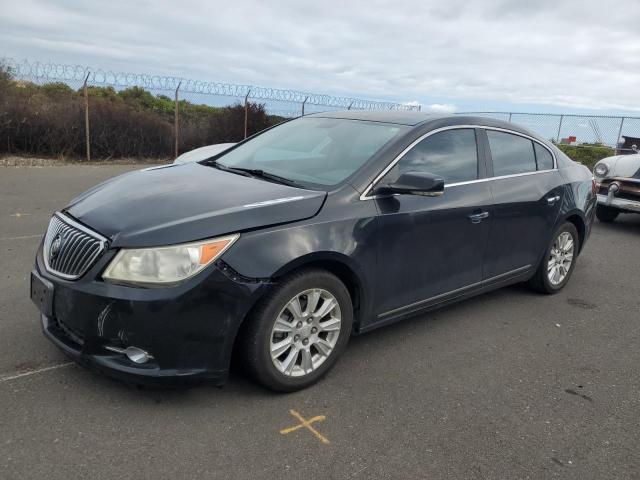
{"x":606,"y":214}
{"x":298,"y":330}
{"x":558,"y":262}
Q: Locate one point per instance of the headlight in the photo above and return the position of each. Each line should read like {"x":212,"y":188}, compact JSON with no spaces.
{"x":165,"y":265}
{"x":601,"y":169}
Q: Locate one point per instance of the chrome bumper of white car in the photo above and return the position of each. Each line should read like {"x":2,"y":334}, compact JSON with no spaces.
{"x":621,"y":203}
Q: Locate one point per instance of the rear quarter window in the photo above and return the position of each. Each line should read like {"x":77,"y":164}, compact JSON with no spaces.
{"x":543,"y":157}
{"x":511,"y":154}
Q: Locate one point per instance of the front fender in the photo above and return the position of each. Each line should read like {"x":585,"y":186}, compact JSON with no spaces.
{"x":344,"y":235}
{"x":318,"y":258}
{"x":271,"y":253}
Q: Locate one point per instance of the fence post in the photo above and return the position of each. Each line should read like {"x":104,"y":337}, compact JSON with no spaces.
{"x":559,"y":127}
{"x":619,"y":135}
{"x":305,"y":101}
{"x":510,"y":116}
{"x":86,"y":116}
{"x":419,"y":107}
{"x":246,"y":113}
{"x":176,"y":117}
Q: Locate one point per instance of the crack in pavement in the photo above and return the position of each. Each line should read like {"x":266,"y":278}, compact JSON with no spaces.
{"x":21,"y":237}
{"x":28,"y":373}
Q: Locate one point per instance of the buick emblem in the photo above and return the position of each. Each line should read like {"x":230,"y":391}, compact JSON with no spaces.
{"x":55,"y":246}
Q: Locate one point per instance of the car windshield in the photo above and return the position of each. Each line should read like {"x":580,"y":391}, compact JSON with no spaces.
{"x":312,"y":151}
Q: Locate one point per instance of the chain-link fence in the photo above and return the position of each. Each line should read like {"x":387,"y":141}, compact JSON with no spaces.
{"x":620,"y":133}
{"x":186,"y":100}
{"x":139,"y":115}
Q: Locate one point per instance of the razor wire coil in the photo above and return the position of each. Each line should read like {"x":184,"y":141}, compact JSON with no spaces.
{"x":43,"y":72}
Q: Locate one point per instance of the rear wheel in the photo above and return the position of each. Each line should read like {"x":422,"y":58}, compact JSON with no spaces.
{"x":606,"y":214}
{"x":298,"y":330}
{"x":558,"y":262}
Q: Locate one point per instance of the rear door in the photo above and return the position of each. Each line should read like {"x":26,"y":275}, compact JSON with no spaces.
{"x":527,"y":192}
{"x":430,"y":247}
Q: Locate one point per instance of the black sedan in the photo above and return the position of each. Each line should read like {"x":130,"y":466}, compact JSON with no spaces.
{"x":281,"y":247}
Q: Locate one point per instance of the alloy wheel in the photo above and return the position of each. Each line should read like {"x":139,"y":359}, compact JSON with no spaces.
{"x":560,"y":258}
{"x":305,"y":332}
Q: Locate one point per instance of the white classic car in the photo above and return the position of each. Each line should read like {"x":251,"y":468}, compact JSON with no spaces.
{"x":618,"y":180}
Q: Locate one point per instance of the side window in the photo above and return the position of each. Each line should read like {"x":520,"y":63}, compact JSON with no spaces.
{"x":511,"y":154}
{"x":452,"y":154}
{"x":543,"y":157}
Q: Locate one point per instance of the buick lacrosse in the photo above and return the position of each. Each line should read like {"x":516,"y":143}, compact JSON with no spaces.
{"x":279,"y":248}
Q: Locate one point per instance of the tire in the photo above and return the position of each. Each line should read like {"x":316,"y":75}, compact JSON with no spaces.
{"x":259,"y":337}
{"x":606,"y":214}
{"x":541,"y":280}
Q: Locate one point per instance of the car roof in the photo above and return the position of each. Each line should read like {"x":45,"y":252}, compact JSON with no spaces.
{"x":400,"y":117}
{"x":417,"y":119}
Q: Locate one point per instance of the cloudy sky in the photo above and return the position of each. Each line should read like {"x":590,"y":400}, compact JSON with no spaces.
{"x":521,"y":55}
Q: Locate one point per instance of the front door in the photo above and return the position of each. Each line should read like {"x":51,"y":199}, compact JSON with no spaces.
{"x":429,"y":247}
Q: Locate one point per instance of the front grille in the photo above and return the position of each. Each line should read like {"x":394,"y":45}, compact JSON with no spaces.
{"x":70,"y":249}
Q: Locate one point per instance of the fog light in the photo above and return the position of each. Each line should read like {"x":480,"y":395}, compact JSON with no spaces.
{"x":137,"y":355}
{"x":614,"y":187}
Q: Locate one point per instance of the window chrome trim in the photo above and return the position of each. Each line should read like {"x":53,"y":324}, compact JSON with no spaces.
{"x":393,"y":163}
{"x":501,"y":177}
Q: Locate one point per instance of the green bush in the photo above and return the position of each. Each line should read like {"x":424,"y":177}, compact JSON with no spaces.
{"x":57,"y":88}
{"x":587,"y":154}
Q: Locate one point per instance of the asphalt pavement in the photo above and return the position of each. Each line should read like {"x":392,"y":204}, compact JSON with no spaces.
{"x":508,"y":385}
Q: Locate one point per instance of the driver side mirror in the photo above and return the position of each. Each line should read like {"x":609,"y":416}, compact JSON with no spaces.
{"x":414,"y":183}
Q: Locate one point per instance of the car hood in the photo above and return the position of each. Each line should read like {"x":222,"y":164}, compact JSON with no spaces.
{"x":180,"y":203}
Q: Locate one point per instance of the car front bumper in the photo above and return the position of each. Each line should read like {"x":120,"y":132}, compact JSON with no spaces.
{"x":189,"y":330}
{"x":620,"y":203}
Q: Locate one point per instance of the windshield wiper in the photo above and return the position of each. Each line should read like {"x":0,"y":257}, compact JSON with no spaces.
{"x":222,"y":167}
{"x":253,"y":172}
{"x":256,"y":172}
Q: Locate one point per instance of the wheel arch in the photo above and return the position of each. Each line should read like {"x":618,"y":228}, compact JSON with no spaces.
{"x":577,"y":219}
{"x":336,"y":263}
{"x":342,"y":267}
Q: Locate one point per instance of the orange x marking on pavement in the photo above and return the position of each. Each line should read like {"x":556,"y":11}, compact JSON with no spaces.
{"x":306,"y":424}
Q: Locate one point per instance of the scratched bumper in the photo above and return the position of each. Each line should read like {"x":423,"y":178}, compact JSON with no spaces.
{"x":188,"y":329}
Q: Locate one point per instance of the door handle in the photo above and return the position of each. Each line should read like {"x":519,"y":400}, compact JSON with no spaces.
{"x":552,"y":200}
{"x":478,"y":217}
